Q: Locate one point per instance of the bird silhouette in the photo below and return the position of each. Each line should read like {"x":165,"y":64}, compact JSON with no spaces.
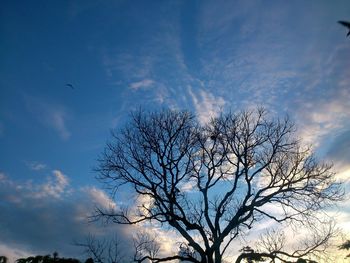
{"x":70,"y":85}
{"x":346,"y":24}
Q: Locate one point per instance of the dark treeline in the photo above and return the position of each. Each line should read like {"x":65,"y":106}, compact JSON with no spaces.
{"x":46,"y":259}
{"x":56,"y":259}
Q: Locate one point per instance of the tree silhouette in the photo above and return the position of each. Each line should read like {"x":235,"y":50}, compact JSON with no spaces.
{"x":103,"y":251}
{"x":110,"y":251}
{"x":47,"y":259}
{"x":3,"y":259}
{"x":145,"y":247}
{"x":346,"y":246}
{"x":213,"y":183}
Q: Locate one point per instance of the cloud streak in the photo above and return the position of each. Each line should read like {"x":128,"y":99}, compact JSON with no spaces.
{"x":36,"y":166}
{"x":324,"y":108}
{"x":207,"y":106}
{"x":145,"y":83}
{"x":56,"y":119}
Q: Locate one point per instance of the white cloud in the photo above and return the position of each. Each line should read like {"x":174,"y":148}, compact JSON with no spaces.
{"x":100,"y":198}
{"x":145,"y":83}
{"x":321,"y":118}
{"x":207,"y":106}
{"x":56,"y":119}
{"x":167,"y":239}
{"x":36,"y":166}
{"x":188,"y":186}
{"x":42,"y":213}
{"x":54,"y":187}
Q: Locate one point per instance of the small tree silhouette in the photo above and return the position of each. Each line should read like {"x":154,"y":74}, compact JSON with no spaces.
{"x":3,"y":259}
{"x":103,"y":251}
{"x":346,"y":246}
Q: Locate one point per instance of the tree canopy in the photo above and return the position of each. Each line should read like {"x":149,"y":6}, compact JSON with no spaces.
{"x":47,"y":259}
{"x":214,"y":183}
{"x":345,"y":246}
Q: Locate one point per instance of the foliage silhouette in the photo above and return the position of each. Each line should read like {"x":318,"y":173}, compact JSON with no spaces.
{"x":346,"y":246}
{"x":47,"y":259}
{"x":3,"y":259}
{"x":347,"y":25}
{"x":212,"y":183}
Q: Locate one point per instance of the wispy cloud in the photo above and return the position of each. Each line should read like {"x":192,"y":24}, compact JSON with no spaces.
{"x":127,"y":65}
{"x":324,"y":108}
{"x":158,"y":62}
{"x":145,"y":83}
{"x":249,"y":58}
{"x":54,"y":187}
{"x":99,"y":197}
{"x":57,"y":121}
{"x":207,"y":106}
{"x":243,"y":56}
{"x":320,"y":119}
{"x":36,"y":166}
{"x":49,"y":114}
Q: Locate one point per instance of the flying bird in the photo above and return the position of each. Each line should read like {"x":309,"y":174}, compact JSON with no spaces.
{"x":346,"y":24}
{"x":70,"y":85}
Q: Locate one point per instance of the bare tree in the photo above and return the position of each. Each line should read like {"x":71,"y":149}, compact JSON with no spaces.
{"x":272,"y":246}
{"x":103,"y":251}
{"x":145,"y":247}
{"x":213,"y":183}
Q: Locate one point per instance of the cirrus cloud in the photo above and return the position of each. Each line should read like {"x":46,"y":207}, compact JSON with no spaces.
{"x":145,"y":83}
{"x":206,"y":104}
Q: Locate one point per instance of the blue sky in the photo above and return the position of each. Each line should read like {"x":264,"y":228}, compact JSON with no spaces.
{"x":205,"y":56}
